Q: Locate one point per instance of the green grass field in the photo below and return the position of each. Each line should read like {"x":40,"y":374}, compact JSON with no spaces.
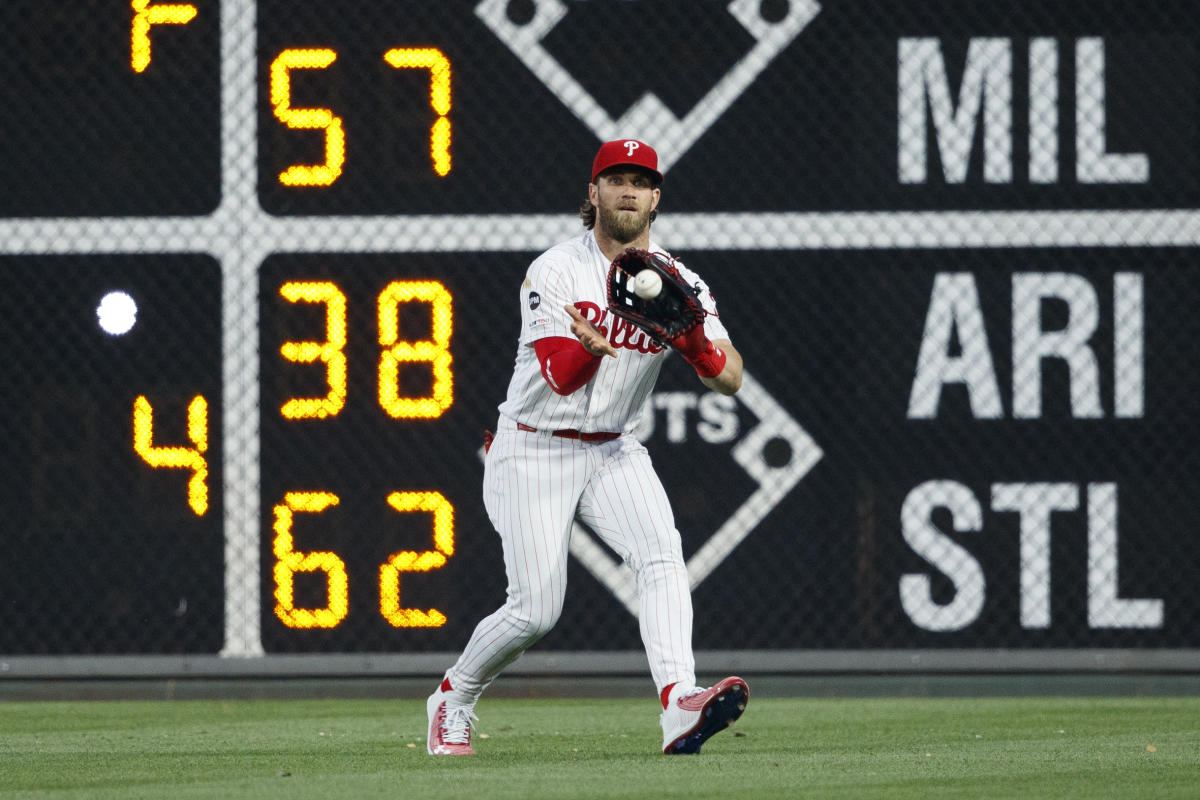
{"x":1041,"y":747}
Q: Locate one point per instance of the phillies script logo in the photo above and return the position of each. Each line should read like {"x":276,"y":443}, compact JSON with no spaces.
{"x":622,"y":333}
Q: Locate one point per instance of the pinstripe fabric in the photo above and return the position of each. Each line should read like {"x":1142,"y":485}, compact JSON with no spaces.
{"x":534,"y":486}
{"x":626,"y":506}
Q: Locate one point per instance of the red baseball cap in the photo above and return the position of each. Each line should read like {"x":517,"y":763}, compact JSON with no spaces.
{"x":626,"y":153}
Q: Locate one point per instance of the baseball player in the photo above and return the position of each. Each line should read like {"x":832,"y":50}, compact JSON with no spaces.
{"x":564,"y":450}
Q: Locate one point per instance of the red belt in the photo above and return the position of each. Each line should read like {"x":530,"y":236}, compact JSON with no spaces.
{"x":571,"y":433}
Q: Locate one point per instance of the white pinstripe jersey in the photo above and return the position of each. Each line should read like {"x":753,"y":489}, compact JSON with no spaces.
{"x":575,"y":272}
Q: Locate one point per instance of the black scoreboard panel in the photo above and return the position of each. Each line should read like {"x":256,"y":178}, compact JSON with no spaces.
{"x":112,"y":494}
{"x":933,"y":105}
{"x":404,"y":108}
{"x":400,"y":108}
{"x":1008,"y":450}
{"x":108,"y":110}
{"x":412,"y":108}
{"x":362,"y":451}
{"x":370,"y":445}
{"x":949,"y":508}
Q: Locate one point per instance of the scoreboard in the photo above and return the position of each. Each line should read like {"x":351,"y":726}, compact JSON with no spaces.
{"x":262,"y":261}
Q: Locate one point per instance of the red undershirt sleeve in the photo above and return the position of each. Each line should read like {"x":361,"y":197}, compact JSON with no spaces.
{"x":566,"y":364}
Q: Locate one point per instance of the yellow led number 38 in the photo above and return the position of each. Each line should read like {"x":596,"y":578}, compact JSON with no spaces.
{"x":394,"y":353}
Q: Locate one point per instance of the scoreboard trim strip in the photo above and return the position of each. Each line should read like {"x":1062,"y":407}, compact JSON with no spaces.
{"x":950,"y":661}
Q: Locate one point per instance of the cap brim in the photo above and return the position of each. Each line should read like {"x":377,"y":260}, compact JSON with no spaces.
{"x":658,"y":176}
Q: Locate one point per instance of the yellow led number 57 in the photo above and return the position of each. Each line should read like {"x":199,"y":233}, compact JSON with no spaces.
{"x":323,"y":119}
{"x":395,"y":352}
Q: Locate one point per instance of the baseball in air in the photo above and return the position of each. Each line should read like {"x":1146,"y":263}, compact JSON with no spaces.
{"x":647,"y":284}
{"x":117,"y":313}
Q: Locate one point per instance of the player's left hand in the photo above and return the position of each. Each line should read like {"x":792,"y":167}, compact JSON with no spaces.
{"x":592,"y":340}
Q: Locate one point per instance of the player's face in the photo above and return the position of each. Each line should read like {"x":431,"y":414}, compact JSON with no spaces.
{"x":624,"y":200}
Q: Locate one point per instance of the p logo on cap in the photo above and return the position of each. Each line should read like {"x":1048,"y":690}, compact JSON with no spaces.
{"x":626,"y":153}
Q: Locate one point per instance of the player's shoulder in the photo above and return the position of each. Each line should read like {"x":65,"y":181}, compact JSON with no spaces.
{"x":577,"y":247}
{"x":562,"y":256}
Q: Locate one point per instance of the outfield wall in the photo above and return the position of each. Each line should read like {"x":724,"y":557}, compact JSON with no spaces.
{"x":263,"y":264}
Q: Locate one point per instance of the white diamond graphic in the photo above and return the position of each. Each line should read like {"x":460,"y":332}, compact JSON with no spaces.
{"x":648,"y":119}
{"x":774,"y":483}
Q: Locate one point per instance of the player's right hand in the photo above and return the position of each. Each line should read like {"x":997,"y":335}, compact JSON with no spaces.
{"x":592,"y":340}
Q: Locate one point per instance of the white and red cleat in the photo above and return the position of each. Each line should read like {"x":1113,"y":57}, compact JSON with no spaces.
{"x":693,"y":715}
{"x":449,"y":726}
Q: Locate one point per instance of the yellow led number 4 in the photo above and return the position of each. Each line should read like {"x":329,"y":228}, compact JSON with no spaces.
{"x":289,"y":561}
{"x":177,"y":456}
{"x":323,"y":119}
{"x":396,"y":352}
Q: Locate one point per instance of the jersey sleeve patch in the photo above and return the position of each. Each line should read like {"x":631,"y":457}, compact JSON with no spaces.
{"x":543,"y":293}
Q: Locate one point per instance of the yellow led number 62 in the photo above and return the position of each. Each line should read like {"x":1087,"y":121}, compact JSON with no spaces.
{"x":289,"y":561}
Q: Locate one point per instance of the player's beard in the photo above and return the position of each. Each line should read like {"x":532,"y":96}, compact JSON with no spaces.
{"x":623,"y":227}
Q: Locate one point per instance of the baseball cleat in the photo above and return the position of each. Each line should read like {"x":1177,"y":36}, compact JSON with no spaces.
{"x":694,"y":715}
{"x":449,"y":727}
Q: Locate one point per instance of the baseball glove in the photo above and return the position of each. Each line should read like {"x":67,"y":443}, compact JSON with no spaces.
{"x":675,"y":311}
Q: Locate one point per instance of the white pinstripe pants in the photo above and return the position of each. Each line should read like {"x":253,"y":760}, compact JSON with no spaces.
{"x":534,"y":486}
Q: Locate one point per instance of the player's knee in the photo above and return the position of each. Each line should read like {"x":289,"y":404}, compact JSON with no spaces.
{"x":668,"y":559}
{"x":660,"y":569}
{"x":532,"y":624}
